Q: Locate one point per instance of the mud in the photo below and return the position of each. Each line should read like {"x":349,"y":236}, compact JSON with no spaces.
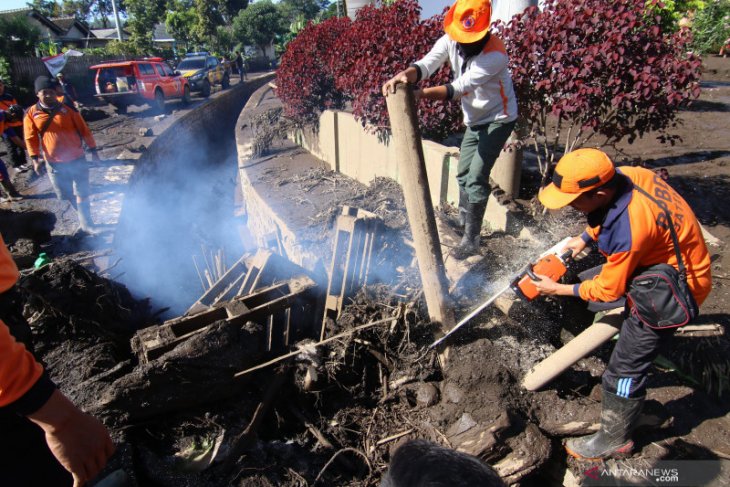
{"x":344,"y":407}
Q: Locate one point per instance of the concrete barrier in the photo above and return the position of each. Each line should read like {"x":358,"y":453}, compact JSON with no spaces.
{"x":344,"y":144}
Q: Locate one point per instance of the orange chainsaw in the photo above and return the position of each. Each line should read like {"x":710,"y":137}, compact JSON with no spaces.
{"x":552,"y":263}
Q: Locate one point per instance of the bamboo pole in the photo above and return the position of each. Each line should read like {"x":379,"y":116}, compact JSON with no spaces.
{"x":409,"y":151}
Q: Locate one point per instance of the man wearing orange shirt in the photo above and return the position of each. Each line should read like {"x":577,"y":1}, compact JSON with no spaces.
{"x":627,"y":212}
{"x":57,"y":132}
{"x":12,"y":133}
{"x":46,"y":440}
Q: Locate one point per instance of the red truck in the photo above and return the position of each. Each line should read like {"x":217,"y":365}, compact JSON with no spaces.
{"x":148,"y":81}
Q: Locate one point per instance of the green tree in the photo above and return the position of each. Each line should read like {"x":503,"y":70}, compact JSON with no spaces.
{"x":222,"y":42}
{"x":181,"y":20}
{"x":231,"y":8}
{"x":17,"y":36}
{"x":100,"y":12}
{"x":331,"y":10}
{"x":259,"y":24}
{"x":209,"y":17}
{"x":711,"y":27}
{"x":309,"y":9}
{"x":49,"y":8}
{"x":143,"y":16}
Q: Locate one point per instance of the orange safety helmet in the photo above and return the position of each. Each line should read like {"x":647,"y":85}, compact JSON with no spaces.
{"x":468,"y":21}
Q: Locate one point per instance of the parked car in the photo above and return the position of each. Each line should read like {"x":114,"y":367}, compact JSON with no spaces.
{"x":147,"y":81}
{"x":203,"y":71}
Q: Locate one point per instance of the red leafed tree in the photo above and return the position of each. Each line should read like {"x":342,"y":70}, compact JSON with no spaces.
{"x":384,"y":40}
{"x":304,"y":81}
{"x":588,"y":69}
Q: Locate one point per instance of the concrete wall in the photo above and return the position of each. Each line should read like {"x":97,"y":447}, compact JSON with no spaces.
{"x":344,"y":144}
{"x":264,"y":224}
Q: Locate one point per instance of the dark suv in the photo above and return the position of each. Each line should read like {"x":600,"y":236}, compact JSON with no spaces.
{"x":204,"y":71}
{"x":144,"y":81}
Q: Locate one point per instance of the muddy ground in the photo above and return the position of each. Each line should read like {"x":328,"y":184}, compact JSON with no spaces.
{"x":177,"y":426}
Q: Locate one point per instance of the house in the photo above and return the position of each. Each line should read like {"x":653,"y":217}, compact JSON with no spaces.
{"x":163,"y":39}
{"x":63,"y":31}
{"x":103,"y":36}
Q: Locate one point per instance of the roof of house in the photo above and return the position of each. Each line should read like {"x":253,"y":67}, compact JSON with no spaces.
{"x":160,"y":34}
{"x":109,"y":34}
{"x":30,"y":12}
{"x":66,"y":23}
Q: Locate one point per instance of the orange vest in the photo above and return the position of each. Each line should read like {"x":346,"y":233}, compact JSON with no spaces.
{"x":62,"y":141}
{"x":635,"y":234}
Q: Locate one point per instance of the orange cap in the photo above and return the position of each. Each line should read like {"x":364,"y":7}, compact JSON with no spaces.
{"x":468,"y":21}
{"x":577,"y":172}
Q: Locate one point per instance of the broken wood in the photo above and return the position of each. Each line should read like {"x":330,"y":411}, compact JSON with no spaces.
{"x":247,"y":438}
{"x":150,"y":343}
{"x":315,"y":345}
{"x":394,"y":437}
{"x":357,"y":233}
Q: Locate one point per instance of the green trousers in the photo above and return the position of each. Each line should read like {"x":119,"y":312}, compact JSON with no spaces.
{"x":479,"y":149}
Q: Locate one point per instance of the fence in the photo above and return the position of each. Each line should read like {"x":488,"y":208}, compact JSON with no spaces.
{"x":24,"y":70}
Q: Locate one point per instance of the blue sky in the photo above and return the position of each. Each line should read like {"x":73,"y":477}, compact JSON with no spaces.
{"x":430,"y":7}
{"x":13,"y":4}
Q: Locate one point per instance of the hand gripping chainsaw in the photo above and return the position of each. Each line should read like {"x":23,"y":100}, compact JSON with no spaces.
{"x":551,"y":263}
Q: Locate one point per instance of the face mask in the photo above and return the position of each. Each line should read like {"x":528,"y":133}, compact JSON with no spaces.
{"x":473,"y":48}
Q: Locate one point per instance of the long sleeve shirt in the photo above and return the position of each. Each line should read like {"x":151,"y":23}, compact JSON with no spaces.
{"x":634,"y":233}
{"x":62,"y":142}
{"x":24,"y":387}
{"x":483,"y":82}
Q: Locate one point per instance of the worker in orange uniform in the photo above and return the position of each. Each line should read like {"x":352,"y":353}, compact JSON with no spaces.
{"x":46,"y":440}
{"x":14,"y":113}
{"x":483,"y":84}
{"x":12,"y":133}
{"x":631,"y":212}
{"x":57,"y":132}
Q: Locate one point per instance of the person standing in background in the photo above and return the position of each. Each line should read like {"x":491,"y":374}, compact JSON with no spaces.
{"x":483,"y":84}
{"x":12,"y":133}
{"x":56,"y":132}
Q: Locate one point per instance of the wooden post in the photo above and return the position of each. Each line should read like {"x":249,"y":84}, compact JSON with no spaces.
{"x":407,"y":143}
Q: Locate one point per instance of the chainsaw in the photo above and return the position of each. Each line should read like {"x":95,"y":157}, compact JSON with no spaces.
{"x":551,"y":263}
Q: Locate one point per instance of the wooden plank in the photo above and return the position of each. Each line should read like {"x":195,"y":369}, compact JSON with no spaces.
{"x":210,"y":297}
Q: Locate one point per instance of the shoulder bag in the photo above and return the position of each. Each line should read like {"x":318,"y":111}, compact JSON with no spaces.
{"x":658,"y":294}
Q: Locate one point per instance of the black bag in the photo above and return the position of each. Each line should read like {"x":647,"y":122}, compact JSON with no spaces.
{"x":659,"y":295}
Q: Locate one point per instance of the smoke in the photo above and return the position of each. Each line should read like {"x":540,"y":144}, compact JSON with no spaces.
{"x":180,"y":208}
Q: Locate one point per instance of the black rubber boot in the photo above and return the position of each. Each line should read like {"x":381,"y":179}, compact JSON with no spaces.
{"x":613,"y":440}
{"x":86,"y":224}
{"x":463,"y":203}
{"x":472,"y":229}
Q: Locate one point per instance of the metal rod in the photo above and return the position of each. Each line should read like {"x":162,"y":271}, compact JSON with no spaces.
{"x":471,"y":315}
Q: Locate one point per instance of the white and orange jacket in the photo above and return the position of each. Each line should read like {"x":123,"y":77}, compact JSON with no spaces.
{"x":483,"y":82}
{"x":62,"y":141}
{"x":633,"y":233}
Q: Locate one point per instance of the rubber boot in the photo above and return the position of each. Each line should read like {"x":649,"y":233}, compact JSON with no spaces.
{"x":613,"y":440}
{"x":472,"y":229}
{"x":9,"y":189}
{"x":86,"y":224}
{"x":463,"y":203}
